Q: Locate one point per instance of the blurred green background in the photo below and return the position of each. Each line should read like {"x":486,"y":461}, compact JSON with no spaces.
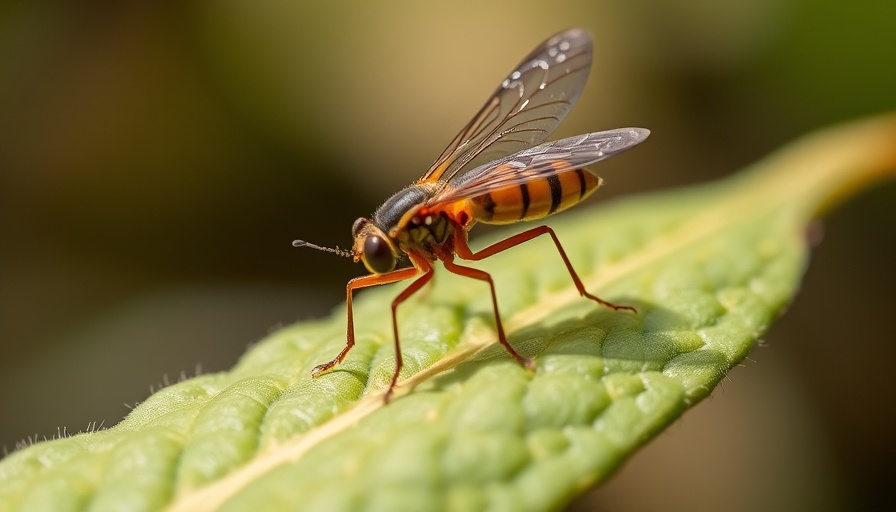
{"x":157,"y":159}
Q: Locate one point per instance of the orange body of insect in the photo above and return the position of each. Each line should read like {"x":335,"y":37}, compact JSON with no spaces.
{"x":495,"y":171}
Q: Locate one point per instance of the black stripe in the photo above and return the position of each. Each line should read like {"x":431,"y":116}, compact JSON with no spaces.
{"x":556,"y":192}
{"x":581,"y":174}
{"x":524,"y":190}
{"x":488,"y":205}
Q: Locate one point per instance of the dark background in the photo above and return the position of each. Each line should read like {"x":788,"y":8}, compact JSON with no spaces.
{"x":157,"y":159}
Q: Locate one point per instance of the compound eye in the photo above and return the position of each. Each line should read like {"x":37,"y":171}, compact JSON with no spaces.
{"x":378,"y":257}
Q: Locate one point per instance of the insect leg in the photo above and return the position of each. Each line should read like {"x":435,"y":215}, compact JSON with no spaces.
{"x":463,"y":250}
{"x":362,"y":282}
{"x":484,"y":276}
{"x":416,"y":285}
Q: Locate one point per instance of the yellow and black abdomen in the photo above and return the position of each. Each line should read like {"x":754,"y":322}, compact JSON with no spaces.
{"x":533,"y":199}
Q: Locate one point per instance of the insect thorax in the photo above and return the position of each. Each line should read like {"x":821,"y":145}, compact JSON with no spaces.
{"x":423,"y":231}
{"x":388,"y":216}
{"x":404,"y":218}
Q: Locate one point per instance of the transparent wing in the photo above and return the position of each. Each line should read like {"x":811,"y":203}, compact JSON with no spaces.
{"x":526,"y":108}
{"x":540,"y":162}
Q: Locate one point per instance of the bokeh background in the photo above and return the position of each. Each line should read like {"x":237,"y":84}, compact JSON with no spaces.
{"x":157,"y":159}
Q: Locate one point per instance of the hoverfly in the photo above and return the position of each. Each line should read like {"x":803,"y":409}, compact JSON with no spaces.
{"x":495,"y":171}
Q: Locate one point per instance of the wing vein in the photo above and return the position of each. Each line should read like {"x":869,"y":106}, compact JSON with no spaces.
{"x":549,"y":80}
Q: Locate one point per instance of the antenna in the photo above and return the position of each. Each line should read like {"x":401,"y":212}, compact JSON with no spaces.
{"x":337,"y":250}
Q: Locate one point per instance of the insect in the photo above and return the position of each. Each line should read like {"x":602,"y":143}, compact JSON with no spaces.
{"x":495,"y":171}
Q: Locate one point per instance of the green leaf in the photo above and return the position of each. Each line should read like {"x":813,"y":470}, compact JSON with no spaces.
{"x":708,"y":268}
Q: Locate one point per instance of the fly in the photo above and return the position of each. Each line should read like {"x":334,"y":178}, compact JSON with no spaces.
{"x":497,"y":170}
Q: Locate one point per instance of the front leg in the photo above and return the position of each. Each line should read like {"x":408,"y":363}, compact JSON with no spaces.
{"x":410,"y":290}
{"x":362,"y":282}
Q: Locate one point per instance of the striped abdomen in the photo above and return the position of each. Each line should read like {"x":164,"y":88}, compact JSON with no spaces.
{"x":534,"y":199}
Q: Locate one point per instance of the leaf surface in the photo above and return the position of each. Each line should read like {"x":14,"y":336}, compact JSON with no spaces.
{"x":708,"y":267}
